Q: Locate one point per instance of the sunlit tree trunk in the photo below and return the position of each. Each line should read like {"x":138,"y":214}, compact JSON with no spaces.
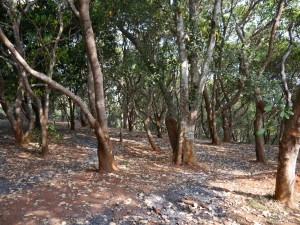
{"x":289,"y":141}
{"x":91,"y":90}
{"x":288,"y":152}
{"x":185,"y":152}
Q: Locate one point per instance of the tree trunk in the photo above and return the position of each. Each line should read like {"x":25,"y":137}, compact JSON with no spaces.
{"x":158,"y":128}
{"x":44,"y":137}
{"x":211,"y":118}
{"x":131,"y":119}
{"x":29,"y":115}
{"x":147,"y":122}
{"x":91,"y":91}
{"x":172,"y":129}
{"x":105,"y":156}
{"x":72,"y":114}
{"x":17,"y":115}
{"x":227,"y":126}
{"x":259,"y":139}
{"x":105,"y":153}
{"x":185,"y":153}
{"x":288,"y":152}
{"x":83,"y":120}
{"x":149,"y":135}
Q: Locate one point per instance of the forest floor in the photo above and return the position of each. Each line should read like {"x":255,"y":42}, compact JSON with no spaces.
{"x":227,"y":187}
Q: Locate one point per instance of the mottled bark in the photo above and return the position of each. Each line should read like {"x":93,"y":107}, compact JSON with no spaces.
{"x":91,"y":91}
{"x":105,"y":151}
{"x":211,"y":118}
{"x":288,"y":152}
{"x":227,"y":126}
{"x":259,"y":139}
{"x":185,"y":153}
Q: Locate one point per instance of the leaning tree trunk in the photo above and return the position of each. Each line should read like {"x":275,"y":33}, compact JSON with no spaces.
{"x":288,"y":152}
{"x":149,"y":135}
{"x":147,"y":123}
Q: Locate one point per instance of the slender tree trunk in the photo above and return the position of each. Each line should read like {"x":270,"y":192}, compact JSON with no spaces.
{"x":72,"y":114}
{"x":17,"y":114}
{"x":211,"y":118}
{"x":91,"y":91}
{"x":147,"y":123}
{"x":83,"y":120}
{"x":29,"y":112}
{"x":44,"y":137}
{"x":149,"y":134}
{"x":131,"y":119}
{"x":185,"y":152}
{"x":227,"y":126}
{"x":105,"y":153}
{"x":158,"y":128}
{"x":288,"y":152}
{"x":259,"y":139}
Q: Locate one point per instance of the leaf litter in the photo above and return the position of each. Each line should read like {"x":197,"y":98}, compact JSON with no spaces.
{"x":226,"y":188}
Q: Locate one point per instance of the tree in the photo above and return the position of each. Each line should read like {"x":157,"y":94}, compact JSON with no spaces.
{"x":247,"y":42}
{"x":190,"y":91}
{"x":289,"y":143}
{"x":99,"y":124}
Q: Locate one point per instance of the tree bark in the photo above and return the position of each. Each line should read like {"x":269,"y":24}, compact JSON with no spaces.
{"x":259,"y":139}
{"x":91,"y":91}
{"x":227,"y":126}
{"x":211,"y":119}
{"x":288,"y":152}
{"x":105,"y":154}
{"x":72,"y":114}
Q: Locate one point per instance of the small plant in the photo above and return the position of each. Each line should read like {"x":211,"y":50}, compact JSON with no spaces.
{"x":52,"y":131}
{"x":255,"y":203}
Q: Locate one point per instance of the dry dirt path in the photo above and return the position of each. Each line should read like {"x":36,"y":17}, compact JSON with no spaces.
{"x":227,"y":187}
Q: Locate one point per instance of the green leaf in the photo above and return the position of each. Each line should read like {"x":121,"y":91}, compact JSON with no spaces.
{"x":261,"y":131}
{"x":268,"y":108}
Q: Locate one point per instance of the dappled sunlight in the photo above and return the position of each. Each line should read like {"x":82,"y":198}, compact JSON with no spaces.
{"x":148,"y":187}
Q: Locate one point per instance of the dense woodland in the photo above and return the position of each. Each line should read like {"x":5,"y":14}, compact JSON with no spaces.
{"x":223,"y":70}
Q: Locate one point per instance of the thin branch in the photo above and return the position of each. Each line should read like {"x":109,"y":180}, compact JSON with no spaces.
{"x":272,"y":36}
{"x":29,"y":5}
{"x":73,"y":8}
{"x":282,"y":72}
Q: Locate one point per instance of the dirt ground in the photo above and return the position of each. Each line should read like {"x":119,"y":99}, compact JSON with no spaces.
{"x":227,"y":187}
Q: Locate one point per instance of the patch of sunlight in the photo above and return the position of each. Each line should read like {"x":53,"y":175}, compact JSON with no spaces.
{"x":37,"y":213}
{"x":115,"y":139}
{"x":56,"y":221}
{"x":24,"y":155}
